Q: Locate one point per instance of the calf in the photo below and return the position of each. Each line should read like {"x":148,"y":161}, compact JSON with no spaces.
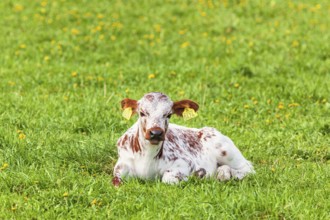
{"x":154,"y":148}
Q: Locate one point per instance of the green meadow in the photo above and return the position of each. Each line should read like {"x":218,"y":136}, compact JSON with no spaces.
{"x":260,"y":71}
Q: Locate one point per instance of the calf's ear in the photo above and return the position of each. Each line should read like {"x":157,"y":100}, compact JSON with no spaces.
{"x":185,"y":106}
{"x":129,"y":106}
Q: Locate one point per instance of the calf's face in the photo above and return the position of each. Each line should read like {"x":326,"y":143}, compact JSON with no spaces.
{"x":154,"y":111}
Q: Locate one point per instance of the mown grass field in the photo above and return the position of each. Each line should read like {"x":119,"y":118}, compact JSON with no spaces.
{"x":260,"y":71}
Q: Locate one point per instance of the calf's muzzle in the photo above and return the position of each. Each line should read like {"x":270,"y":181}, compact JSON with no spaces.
{"x":155,"y":135}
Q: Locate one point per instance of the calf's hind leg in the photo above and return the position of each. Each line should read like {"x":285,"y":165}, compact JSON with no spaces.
{"x":231,"y":161}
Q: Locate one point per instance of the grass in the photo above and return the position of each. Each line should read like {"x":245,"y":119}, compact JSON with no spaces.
{"x":258,"y":69}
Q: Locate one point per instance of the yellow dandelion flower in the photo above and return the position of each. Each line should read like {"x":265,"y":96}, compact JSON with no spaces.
{"x":182,"y":32}
{"x":151,"y":76}
{"x":255,"y":102}
{"x":75,"y":31}
{"x":117,"y":24}
{"x":101,"y":37}
{"x":236,"y":85}
{"x":293,"y":105}
{"x":280,"y":105}
{"x":66,"y":98}
{"x":100,"y":16}
{"x":229,"y":41}
{"x":21,"y":136}
{"x":14,"y":207}
{"x":43,"y":11}
{"x":11,"y":83}
{"x":185,"y":44}
{"x":251,"y":44}
{"x":22,"y":46}
{"x":98,"y":28}
{"x":46,"y":58}
{"x":75,"y":85}
{"x":269,"y":101}
{"x":74,"y":74}
{"x":43,"y":3}
{"x":158,"y":28}
{"x":203,"y":13}
{"x":113,"y":38}
{"x":315,"y":8}
{"x":4,"y":166}
{"x":210,"y":4}
{"x":181,"y":93}
{"x":66,"y":194}
{"x":18,"y":7}
{"x":127,"y":90}
{"x":246,"y":106}
{"x":94,"y":202}
{"x":205,"y":34}
{"x":295,"y":43}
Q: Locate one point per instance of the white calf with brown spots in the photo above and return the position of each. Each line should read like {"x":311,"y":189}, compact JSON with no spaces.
{"x":154,"y":148}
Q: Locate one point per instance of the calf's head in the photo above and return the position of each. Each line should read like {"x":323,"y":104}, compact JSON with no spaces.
{"x":155,"y":110}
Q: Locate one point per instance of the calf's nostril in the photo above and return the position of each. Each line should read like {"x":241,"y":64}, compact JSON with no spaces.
{"x":155,"y":133}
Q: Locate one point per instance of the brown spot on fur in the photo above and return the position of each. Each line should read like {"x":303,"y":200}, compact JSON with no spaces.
{"x":179,"y":176}
{"x":160,"y":152}
{"x":200,"y":173}
{"x":208,"y":136}
{"x":224,"y":153}
{"x":172,"y":157}
{"x":170,"y":136}
{"x":149,"y":97}
{"x":124,"y":140}
{"x":194,"y":143}
{"x":134,"y":141}
{"x":163,"y":97}
{"x":200,"y":134}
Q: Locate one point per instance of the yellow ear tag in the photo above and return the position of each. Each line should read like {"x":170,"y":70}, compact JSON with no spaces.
{"x":188,"y":113}
{"x":127,"y":113}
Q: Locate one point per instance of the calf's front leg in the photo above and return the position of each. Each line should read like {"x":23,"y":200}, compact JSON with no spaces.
{"x":179,"y":171}
{"x":173,"y":177}
{"x":121,"y":169}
